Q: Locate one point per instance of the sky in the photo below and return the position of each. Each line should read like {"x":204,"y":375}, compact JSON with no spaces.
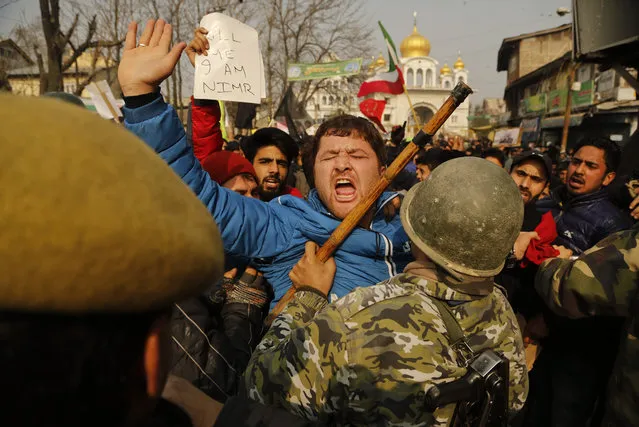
{"x":475,"y":28}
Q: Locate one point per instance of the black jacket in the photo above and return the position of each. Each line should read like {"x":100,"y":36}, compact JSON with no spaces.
{"x":212,"y":343}
{"x":582,"y":221}
{"x":518,"y":281}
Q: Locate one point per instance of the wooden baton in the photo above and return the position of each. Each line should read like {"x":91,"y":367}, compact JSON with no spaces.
{"x":457,"y":96}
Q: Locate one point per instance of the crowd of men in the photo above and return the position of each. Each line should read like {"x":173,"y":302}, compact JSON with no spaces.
{"x":131,"y":299}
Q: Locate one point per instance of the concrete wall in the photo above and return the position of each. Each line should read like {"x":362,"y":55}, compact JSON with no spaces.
{"x":535,"y":52}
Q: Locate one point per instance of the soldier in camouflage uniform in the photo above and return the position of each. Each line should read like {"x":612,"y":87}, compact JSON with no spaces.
{"x":370,"y":357}
{"x":603,"y":281}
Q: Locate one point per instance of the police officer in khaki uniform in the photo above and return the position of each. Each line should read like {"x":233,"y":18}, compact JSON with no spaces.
{"x":98,"y":239}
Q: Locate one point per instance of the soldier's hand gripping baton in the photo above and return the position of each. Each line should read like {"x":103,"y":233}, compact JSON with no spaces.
{"x":457,"y":96}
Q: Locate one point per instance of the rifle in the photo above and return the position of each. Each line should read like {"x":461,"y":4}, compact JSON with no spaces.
{"x":481,"y":395}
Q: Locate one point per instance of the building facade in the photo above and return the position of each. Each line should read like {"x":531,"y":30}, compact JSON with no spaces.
{"x":428,"y":85}
{"x":23,"y":73}
{"x":539,"y":66}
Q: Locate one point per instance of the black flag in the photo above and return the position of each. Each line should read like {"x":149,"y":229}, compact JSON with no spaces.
{"x":245,"y":115}
{"x":293,"y":115}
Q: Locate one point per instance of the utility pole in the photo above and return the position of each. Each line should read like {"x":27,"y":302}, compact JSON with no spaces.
{"x":571,"y":80}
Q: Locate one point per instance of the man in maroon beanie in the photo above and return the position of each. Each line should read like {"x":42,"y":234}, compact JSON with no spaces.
{"x":232,"y":171}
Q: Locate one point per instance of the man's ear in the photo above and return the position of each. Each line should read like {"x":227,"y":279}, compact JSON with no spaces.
{"x":610,"y":176}
{"x":156,"y":355}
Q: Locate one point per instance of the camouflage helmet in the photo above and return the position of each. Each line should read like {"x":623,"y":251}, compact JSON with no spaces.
{"x":465,"y":217}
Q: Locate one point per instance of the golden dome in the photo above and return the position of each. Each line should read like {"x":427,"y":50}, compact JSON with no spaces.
{"x":459,"y":64}
{"x":380,"y":61}
{"x":371,"y":66}
{"x":415,"y":45}
{"x":445,"y":70}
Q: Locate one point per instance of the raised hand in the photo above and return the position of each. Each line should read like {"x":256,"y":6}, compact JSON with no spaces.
{"x":198,"y":45}
{"x":249,"y":289}
{"x":145,"y":65}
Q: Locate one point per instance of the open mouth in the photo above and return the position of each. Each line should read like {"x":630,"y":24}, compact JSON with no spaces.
{"x":345,"y":190}
{"x":271,"y":183}
{"x":576,"y":181}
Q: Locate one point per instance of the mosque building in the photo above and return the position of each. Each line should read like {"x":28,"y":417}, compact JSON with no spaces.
{"x":428,"y":84}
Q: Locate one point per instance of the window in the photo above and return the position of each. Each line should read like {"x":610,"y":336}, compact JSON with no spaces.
{"x":430,"y":81}
{"x":331,"y":100}
{"x":419,"y":82}
{"x":324,"y":100}
{"x":387,"y":117}
{"x":345,"y":100}
{"x":69,"y":87}
{"x":446,"y":84}
{"x":410,"y":78}
{"x":460,"y":79}
{"x":453,"y":119}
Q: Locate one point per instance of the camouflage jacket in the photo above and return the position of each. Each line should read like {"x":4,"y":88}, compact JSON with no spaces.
{"x":603,"y":281}
{"x":370,"y":357}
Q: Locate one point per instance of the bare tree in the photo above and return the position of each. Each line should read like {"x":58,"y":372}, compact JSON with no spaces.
{"x":58,"y":42}
{"x":5,"y":86}
{"x":113,"y":18}
{"x":7,"y":3}
{"x":310,"y":31}
{"x":174,"y":19}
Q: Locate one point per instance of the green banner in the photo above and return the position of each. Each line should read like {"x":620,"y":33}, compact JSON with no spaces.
{"x":536,"y":104}
{"x":324,"y":70}
{"x":557,"y":100}
{"x":584,"y":96}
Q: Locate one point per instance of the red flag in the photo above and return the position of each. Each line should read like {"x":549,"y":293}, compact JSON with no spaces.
{"x":373,"y":109}
{"x":391,"y":81}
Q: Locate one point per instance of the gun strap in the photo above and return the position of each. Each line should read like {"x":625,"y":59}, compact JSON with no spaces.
{"x":455,"y":333}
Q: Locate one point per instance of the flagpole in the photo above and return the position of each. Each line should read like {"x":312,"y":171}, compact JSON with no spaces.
{"x":410,"y":103}
{"x":412,"y":109}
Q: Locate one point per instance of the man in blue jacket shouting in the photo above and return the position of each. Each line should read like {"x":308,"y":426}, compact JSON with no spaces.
{"x":348,"y":160}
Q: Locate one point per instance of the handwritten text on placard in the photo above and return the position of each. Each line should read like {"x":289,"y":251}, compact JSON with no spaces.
{"x":232,"y":70}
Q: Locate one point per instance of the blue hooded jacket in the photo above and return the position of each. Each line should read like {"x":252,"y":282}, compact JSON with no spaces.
{"x":274,"y":234}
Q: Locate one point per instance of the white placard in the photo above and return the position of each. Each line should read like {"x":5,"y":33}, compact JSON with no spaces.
{"x":101,"y":94}
{"x":233,"y":69}
{"x":507,"y":136}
